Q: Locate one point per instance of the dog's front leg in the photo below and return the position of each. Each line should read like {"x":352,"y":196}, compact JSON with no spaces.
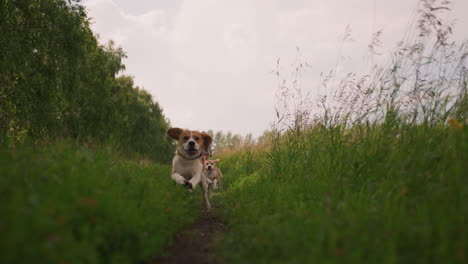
{"x":206,"y":201}
{"x":178,"y":178}
{"x":195,"y":180}
{"x":215,"y":184}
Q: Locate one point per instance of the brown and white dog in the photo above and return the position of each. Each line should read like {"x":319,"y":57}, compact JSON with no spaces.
{"x":213,"y":173}
{"x":187,"y":166}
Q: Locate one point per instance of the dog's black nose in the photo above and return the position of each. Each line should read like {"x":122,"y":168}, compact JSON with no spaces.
{"x":209,"y":167}
{"x":191,"y":144}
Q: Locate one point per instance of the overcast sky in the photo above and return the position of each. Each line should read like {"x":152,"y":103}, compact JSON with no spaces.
{"x":209,"y":63}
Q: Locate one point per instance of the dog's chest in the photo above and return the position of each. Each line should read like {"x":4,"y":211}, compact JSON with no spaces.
{"x":187,"y":168}
{"x":211,"y":174}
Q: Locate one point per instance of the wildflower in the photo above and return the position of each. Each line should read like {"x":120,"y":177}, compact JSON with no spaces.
{"x":339,"y":252}
{"x":455,"y":124}
{"x":167,"y":210}
{"x":404,"y":191}
{"x":61,"y":220}
{"x":54,"y":238}
{"x":88,"y":202}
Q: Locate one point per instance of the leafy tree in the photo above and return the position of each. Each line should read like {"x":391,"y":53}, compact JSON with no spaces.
{"x":57,"y":81}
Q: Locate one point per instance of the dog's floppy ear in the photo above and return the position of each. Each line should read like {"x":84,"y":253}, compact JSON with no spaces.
{"x":216,"y":160}
{"x":174,"y":133}
{"x":207,"y":140}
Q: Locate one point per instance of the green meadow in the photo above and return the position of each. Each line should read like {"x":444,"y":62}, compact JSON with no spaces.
{"x":375,"y":194}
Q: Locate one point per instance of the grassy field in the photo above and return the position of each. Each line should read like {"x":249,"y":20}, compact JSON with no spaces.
{"x":64,"y":203}
{"x":374,"y":194}
{"x":388,"y":193}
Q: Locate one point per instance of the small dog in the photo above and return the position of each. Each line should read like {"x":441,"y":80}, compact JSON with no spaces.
{"x":213,"y":173}
{"x":187,"y":166}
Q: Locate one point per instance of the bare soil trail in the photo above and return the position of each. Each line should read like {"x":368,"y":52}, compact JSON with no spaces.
{"x":195,"y":244}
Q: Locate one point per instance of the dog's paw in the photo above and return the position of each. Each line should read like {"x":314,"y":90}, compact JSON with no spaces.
{"x":188,"y":185}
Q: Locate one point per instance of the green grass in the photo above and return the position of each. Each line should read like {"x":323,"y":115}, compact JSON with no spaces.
{"x":389,"y":193}
{"x":62,"y":203}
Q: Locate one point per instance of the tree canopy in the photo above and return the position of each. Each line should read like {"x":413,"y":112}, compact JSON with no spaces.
{"x":57,"y":81}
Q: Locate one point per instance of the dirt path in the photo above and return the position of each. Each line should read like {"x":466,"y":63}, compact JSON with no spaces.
{"x":194,"y":245}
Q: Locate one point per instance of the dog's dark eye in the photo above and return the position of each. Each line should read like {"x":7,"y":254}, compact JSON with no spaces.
{"x":186,"y":137}
{"x":197,"y":138}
